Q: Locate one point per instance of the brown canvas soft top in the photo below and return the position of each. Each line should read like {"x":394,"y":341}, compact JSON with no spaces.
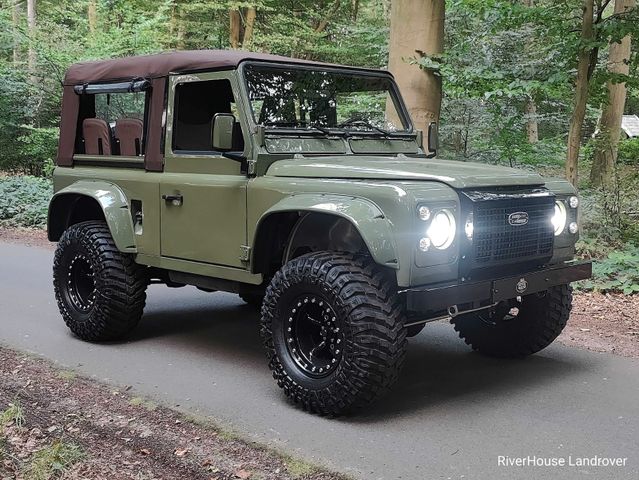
{"x":162,"y":64}
{"x":156,"y":68}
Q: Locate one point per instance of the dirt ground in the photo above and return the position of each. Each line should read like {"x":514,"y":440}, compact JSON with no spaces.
{"x":604,"y":323}
{"x":54,"y":424}
{"x":599,"y":322}
{"x":30,"y":237}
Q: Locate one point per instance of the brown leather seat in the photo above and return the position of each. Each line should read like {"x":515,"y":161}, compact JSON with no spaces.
{"x":97,"y":136}
{"x":129,"y":132}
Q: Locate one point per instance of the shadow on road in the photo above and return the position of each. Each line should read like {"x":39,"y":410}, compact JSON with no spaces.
{"x":439,"y":368}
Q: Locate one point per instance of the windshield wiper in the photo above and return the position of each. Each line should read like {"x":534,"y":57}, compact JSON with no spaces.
{"x":361,"y":121}
{"x":301,"y":125}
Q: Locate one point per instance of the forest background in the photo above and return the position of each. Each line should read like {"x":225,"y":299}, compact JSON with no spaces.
{"x":533,"y":84}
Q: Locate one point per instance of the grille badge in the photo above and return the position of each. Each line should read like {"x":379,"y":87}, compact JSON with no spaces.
{"x":522,"y":285}
{"x":517,"y":219}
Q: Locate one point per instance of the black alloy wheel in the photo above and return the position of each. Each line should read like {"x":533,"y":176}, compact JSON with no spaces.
{"x":313,"y":336}
{"x":100,"y":291}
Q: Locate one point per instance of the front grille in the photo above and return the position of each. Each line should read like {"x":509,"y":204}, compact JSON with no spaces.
{"x":497,"y":241}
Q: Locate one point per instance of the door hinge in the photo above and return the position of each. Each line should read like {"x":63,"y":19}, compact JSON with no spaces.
{"x":245,"y":253}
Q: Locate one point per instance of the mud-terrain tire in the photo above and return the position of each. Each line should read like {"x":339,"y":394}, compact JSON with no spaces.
{"x":100,"y":291}
{"x":349,"y":305}
{"x":540,"y":319}
{"x":252,"y":299}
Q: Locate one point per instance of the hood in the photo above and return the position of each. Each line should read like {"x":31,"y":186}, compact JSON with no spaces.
{"x":456,"y":174}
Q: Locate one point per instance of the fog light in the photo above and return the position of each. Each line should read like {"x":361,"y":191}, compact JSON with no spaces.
{"x":424,"y":213}
{"x":573,"y":227}
{"x":573,"y":202}
{"x":424,"y":244}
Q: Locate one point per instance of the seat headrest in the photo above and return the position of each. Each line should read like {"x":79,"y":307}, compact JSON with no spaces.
{"x":97,"y":136}
{"x":129,"y":132}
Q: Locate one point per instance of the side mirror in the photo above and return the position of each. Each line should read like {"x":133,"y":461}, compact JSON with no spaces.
{"x":223,"y":131}
{"x":433,"y":139}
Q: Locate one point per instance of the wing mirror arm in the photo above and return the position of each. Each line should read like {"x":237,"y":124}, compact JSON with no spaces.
{"x":433,"y":140}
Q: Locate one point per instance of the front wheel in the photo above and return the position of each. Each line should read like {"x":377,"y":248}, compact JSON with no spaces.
{"x":100,"y":291}
{"x":520,"y":327}
{"x":334,"y":331}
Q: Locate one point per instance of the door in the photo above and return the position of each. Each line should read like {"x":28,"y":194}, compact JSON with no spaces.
{"x":202,"y":194}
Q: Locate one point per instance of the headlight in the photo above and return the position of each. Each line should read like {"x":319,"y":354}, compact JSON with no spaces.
{"x":559,"y":218}
{"x":441,"y":231}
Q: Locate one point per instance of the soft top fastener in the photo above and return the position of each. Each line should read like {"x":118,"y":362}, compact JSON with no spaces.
{"x":136,"y":85}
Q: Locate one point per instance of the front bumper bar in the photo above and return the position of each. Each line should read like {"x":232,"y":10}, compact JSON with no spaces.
{"x":437,"y":298}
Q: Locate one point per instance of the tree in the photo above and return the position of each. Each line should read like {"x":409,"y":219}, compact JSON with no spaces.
{"x":417,"y":30}
{"x":241,"y":33}
{"x":31,"y":24}
{"x":605,"y":154}
{"x":581,"y":92}
{"x":15,"y":23}
{"x":532,"y":126}
{"x":92,"y":15}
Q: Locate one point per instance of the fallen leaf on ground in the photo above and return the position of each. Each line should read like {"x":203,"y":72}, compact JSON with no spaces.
{"x":243,"y":474}
{"x":180,"y":452}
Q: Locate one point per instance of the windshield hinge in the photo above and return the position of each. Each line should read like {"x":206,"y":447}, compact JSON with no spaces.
{"x":250,"y":167}
{"x":245,"y":253}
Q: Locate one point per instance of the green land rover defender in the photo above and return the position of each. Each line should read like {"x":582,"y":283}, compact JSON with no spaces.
{"x":304,"y":188}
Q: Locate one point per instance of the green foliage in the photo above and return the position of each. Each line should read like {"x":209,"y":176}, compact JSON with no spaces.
{"x":12,"y":415}
{"x":629,"y":151}
{"x":24,"y":201}
{"x":617,"y":272}
{"x":54,"y":460}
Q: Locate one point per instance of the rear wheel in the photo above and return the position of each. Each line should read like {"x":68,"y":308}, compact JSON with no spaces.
{"x":100,"y":291}
{"x":519,"y":327}
{"x":333,"y":329}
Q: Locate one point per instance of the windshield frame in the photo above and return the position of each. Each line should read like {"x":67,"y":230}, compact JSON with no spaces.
{"x":394,"y":92}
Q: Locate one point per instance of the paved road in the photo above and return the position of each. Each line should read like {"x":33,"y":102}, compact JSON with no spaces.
{"x":451,"y":415}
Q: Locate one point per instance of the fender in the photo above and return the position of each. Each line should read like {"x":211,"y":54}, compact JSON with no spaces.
{"x":111,"y":200}
{"x":367,"y":218}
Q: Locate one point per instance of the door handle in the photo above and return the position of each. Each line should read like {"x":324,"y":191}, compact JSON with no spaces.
{"x":176,"y":199}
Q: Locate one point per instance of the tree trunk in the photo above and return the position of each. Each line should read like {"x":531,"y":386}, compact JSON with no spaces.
{"x":234,"y":28}
{"x":31,"y":25}
{"x":92,"y":15}
{"x":605,"y":154}
{"x":251,"y":13}
{"x":417,"y":29}
{"x":180,"y":20}
{"x":581,"y":94}
{"x":15,"y":22}
{"x":323,"y":23}
{"x":355,"y":8}
{"x":532,"y":127}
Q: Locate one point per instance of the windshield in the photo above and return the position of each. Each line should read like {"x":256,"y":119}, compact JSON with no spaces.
{"x":290,"y":97}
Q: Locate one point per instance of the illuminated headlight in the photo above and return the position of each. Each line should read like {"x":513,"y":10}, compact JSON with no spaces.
{"x":573,"y":227}
{"x":559,"y":218}
{"x":573,"y":202}
{"x":441,"y":231}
